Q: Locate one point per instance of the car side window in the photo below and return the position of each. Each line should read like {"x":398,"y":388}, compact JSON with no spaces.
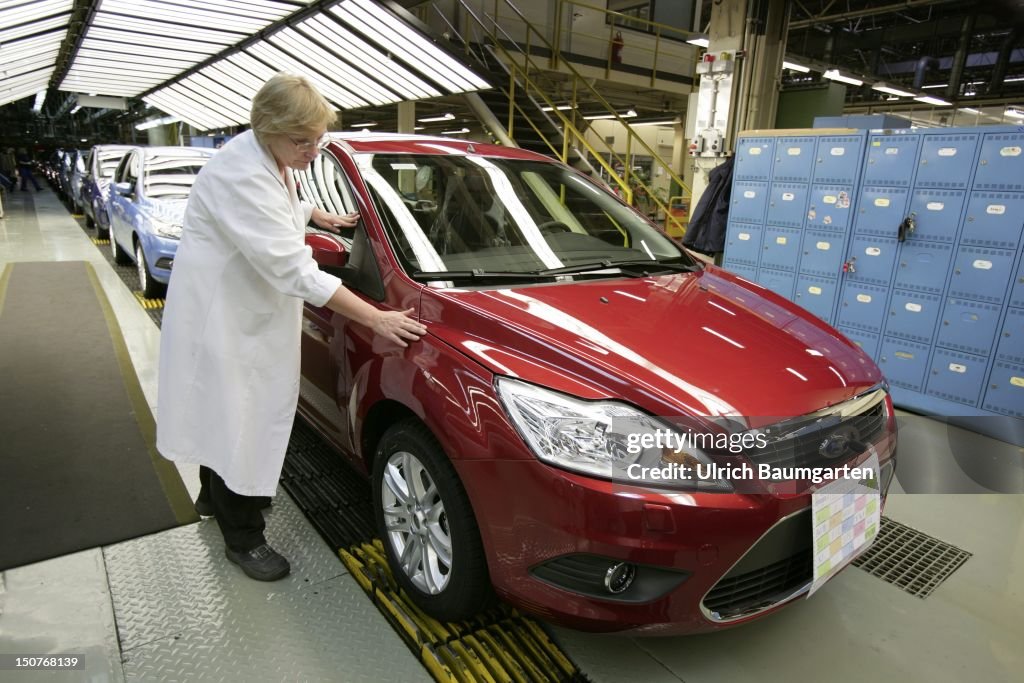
{"x":132,"y":175}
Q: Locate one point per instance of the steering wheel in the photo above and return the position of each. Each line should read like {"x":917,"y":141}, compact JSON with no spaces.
{"x":553,"y":227}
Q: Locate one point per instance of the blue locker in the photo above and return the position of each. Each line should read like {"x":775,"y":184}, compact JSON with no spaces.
{"x":822,"y":253}
{"x":780,"y":248}
{"x":745,"y":271}
{"x":1001,"y":163}
{"x":891,"y":160}
{"x":881,"y":210}
{"x":780,"y":282}
{"x":912,"y":315}
{"x":994,"y":219}
{"x":787,"y":204}
{"x":862,"y":306}
{"x":794,"y":158}
{"x":936,"y":213}
{"x":817,"y":295}
{"x":754,"y":158}
{"x":743,"y":243}
{"x":982,"y":274}
{"x":749,"y":200}
{"x":904,"y":363}
{"x":874,"y":259}
{"x":1017,"y":290}
{"x":1005,"y":391}
{"x":946,"y":160}
{"x":968,"y":326}
{"x":923,"y":266}
{"x":867,"y":341}
{"x":957,"y":376}
{"x":837,"y":160}
{"x":1011,"y":338}
{"x":828,"y":207}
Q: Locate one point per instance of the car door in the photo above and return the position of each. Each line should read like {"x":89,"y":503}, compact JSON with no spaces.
{"x":120,"y":207}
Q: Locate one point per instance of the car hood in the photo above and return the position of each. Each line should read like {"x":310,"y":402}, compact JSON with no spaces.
{"x":706,"y":343}
{"x":168,"y":210}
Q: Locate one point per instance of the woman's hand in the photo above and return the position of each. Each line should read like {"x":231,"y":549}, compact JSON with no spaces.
{"x":333,"y":222}
{"x":398,"y":326}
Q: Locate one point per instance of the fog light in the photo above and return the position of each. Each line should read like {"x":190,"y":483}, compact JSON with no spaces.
{"x":619,"y":577}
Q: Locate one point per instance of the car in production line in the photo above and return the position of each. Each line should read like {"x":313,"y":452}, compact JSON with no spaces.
{"x":573,"y":434}
{"x":100,"y":166}
{"x":145,"y":207}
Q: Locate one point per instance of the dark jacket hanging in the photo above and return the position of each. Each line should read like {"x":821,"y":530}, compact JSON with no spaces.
{"x":706,"y":231}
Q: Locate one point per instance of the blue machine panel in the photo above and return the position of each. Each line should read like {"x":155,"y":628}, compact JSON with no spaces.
{"x":994,"y":219}
{"x":1001,"y":163}
{"x":891,"y":160}
{"x":749,"y":200}
{"x":867,"y":341}
{"x":936,"y":213}
{"x":1005,"y":390}
{"x":912,"y":315}
{"x":743,"y":243}
{"x":829,"y":207}
{"x":780,"y":282}
{"x":981,"y":274}
{"x":957,"y":376}
{"x":924,"y":266}
{"x":862,"y":306}
{"x":817,"y":295}
{"x":1011,"y":338}
{"x":780,"y":248}
{"x":787,"y":204}
{"x":1017,"y":290}
{"x":794,"y":158}
{"x":875,"y":258}
{"x":744,"y":270}
{"x":754,"y":158}
{"x":822,"y":253}
{"x":881,"y":210}
{"x":946,"y":160}
{"x":969,"y":326}
{"x":838,"y":159}
{"x":904,"y":363}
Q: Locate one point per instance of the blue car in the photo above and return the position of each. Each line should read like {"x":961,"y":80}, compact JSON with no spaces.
{"x":146,"y":206}
{"x":99,"y":171}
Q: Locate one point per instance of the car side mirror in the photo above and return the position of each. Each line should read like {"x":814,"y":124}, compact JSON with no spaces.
{"x":123,"y":189}
{"x":328,"y":251}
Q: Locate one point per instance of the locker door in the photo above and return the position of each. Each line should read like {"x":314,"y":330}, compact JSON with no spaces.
{"x":968,"y":326}
{"x":881,"y":210}
{"x":994,"y":219}
{"x":957,"y":376}
{"x":1011,"y":337}
{"x":891,"y":159}
{"x":747,"y":272}
{"x":787,"y":204}
{"x":924,"y":266}
{"x":837,"y":160}
{"x":981,"y":274}
{"x":1001,"y":163}
{"x":748,"y":201}
{"x":862,"y":307}
{"x":874,"y":259}
{"x":780,"y":282}
{"x":817,"y":295}
{"x":1017,"y":290}
{"x":903,"y":363}
{"x":828,"y":207}
{"x":867,"y":341}
{"x":754,"y":158}
{"x":780,"y":248}
{"x":794,"y":158}
{"x":937,"y":214}
{"x":912,"y":315}
{"x":946,"y":160}
{"x":822,"y":253}
{"x":742,"y":244}
{"x":1005,"y":390}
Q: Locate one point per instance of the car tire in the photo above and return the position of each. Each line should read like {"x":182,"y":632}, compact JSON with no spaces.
{"x":121,"y":257}
{"x":89,"y":222}
{"x":434,"y":528}
{"x":151,"y":289}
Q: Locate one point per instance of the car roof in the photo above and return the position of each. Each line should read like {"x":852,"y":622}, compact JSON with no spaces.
{"x":177,"y":151}
{"x":398,"y":143}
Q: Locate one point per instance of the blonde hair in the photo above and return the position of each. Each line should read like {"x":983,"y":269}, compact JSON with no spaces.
{"x":289,"y":104}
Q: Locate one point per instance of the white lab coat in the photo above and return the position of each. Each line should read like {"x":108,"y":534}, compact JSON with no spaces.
{"x":230,"y":343}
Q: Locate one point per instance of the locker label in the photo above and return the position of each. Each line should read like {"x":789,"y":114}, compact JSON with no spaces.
{"x":749,"y":194}
{"x":743,"y":236}
{"x":843,"y":200}
{"x":814,"y":290}
{"x":904,"y":354}
{"x":892,"y":151}
{"x":781,"y":240}
{"x":936,"y":206}
{"x":793,"y":151}
{"x":754,"y":151}
{"x":982,"y":264}
{"x":824,"y":246}
{"x":996,"y":209}
{"x":873,"y":251}
{"x":864,"y":298}
{"x":882,"y":202}
{"x":956,"y":367}
{"x":947,"y":152}
{"x":912,"y":307}
{"x":1017,"y":381}
{"x":787,"y":196}
{"x":1009,"y":152}
{"x":840,"y":151}
{"x":829,"y":199}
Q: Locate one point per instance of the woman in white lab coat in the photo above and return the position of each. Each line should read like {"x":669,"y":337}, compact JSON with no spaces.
{"x":230,"y":342}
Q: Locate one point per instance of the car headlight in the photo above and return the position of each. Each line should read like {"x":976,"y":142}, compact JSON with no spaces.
{"x":165,"y":229}
{"x":606,"y":439}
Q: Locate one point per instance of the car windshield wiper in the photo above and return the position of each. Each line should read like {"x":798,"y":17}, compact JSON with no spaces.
{"x":650,"y":265}
{"x":479,"y":274}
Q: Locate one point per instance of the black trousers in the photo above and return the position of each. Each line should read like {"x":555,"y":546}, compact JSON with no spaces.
{"x":238,"y":516}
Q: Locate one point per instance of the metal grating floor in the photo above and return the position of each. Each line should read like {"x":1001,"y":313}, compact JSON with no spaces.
{"x":910,"y":559}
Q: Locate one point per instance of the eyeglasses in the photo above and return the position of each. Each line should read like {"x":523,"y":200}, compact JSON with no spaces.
{"x":306,"y":145}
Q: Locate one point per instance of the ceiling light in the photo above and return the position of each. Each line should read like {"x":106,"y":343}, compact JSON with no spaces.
{"x":75,"y":110}
{"x":968,"y":110}
{"x":628,"y":115}
{"x":364,"y":124}
{"x":1014,"y":113}
{"x":699,"y":42}
{"x":561,"y":107}
{"x":455,"y":132}
{"x":927,"y":99}
{"x":880,"y":87}
{"x":834,"y":75}
{"x":666,"y":122}
{"x":431,"y":119}
{"x":795,"y":67}
{"x":40,"y":98}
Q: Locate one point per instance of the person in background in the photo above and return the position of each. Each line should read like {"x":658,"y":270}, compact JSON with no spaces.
{"x":25,"y":170}
{"x":230,"y":342}
{"x":8,"y":168}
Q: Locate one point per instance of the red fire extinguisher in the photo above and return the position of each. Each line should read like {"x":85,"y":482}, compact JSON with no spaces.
{"x":617,"y":44}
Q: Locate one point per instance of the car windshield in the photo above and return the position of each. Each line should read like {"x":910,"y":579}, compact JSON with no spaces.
{"x":171,"y":177}
{"x":475,"y":215}
{"x":108,"y":163}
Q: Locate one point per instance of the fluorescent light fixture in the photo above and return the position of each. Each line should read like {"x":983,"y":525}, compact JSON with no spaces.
{"x":666,"y":122}
{"x":75,"y":110}
{"x":37,"y":106}
{"x":455,"y":132}
{"x":927,"y":99}
{"x":153,"y":123}
{"x":85,"y":139}
{"x":431,"y":119}
{"x":597,"y":117}
{"x":364,"y":124}
{"x":561,"y":107}
{"x":834,"y":75}
{"x":881,"y":87}
{"x":327,"y":87}
{"x":1014,"y":113}
{"x":968,"y":110}
{"x":793,"y":66}
{"x":699,"y":42}
{"x":418,"y":127}
{"x":324,"y":61}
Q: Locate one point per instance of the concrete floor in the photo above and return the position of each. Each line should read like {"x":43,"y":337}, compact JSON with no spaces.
{"x":169,"y":607}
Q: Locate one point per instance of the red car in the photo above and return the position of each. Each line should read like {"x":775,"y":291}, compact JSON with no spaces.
{"x":572,"y":350}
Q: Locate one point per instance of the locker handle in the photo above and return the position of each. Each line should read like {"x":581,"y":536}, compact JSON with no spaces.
{"x":907,"y":227}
